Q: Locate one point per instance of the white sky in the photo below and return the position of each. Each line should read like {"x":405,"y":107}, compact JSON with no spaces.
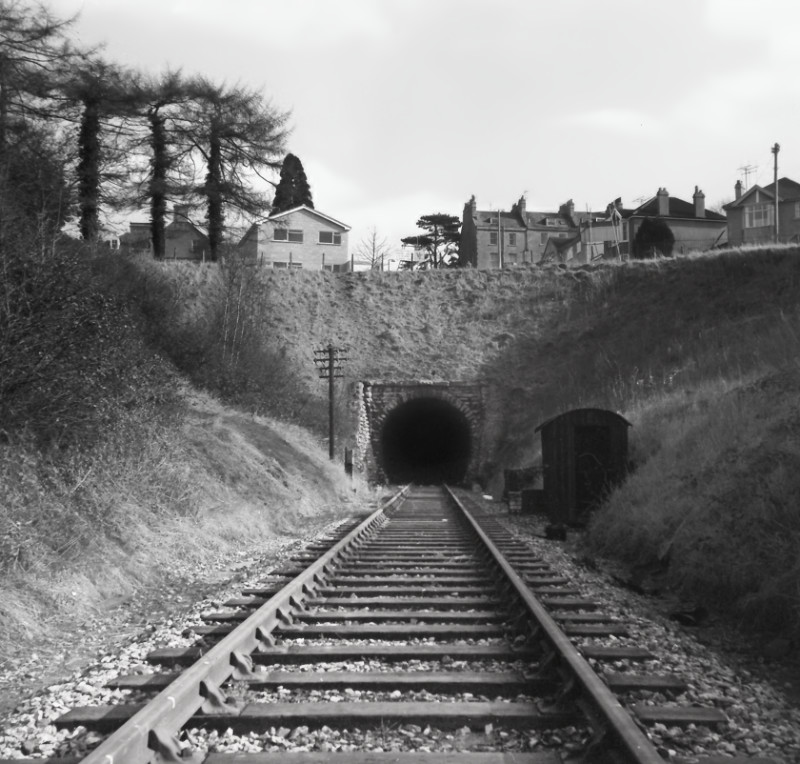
{"x":407,"y":107}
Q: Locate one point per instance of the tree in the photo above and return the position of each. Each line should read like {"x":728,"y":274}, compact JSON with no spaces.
{"x":163,"y":104}
{"x":238,"y":135}
{"x":440,"y":240}
{"x":34,"y":51}
{"x":292,"y":189}
{"x":373,"y":250}
{"x":653,"y":236}
{"x":106,"y":97}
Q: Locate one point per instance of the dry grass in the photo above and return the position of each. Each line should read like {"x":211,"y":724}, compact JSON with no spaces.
{"x":140,"y":510}
{"x":699,"y":352}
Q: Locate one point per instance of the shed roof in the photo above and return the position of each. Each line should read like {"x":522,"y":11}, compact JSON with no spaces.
{"x":572,"y":412}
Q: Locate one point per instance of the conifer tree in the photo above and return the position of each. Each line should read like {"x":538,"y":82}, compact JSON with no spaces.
{"x":238,"y":134}
{"x":292,"y":189}
{"x":440,"y":240}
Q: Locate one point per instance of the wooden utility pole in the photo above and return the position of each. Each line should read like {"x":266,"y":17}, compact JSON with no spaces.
{"x":329,"y":362}
{"x":775,"y":149}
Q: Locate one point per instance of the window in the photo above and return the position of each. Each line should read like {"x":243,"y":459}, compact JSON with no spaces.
{"x":280,"y":265}
{"x":759,"y":215}
{"x":492,"y":237}
{"x":286,"y":234}
{"x":330,"y":237}
{"x":295,"y":266}
{"x":512,"y":240}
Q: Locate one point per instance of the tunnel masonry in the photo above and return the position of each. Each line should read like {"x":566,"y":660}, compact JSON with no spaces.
{"x":391,"y":411}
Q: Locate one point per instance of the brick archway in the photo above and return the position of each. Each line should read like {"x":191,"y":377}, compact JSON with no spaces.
{"x":379,"y":402}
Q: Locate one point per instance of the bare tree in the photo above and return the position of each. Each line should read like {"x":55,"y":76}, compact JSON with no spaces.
{"x":373,"y":250}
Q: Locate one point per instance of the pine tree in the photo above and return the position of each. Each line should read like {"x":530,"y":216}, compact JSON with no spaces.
{"x":440,"y":240}
{"x":292,"y":189}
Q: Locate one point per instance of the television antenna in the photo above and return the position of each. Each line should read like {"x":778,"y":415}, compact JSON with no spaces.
{"x":747,"y":170}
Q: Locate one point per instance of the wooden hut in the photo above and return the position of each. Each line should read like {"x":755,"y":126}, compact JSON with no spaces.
{"x":584,"y":452}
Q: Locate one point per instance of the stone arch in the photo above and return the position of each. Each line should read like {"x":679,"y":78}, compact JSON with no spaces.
{"x":447,"y":419}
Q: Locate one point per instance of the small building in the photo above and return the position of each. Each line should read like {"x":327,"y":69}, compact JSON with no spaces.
{"x":751,"y":215}
{"x":560,"y":250}
{"x":301,"y":237}
{"x":183,"y":240}
{"x":584,"y":453}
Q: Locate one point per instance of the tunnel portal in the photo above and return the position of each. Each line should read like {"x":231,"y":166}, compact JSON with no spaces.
{"x":419,"y":431}
{"x":426,"y":441}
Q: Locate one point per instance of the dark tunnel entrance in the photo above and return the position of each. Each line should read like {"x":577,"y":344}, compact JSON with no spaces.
{"x":426,"y":441}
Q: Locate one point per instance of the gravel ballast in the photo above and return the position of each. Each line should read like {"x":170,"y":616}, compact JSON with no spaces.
{"x":763,"y":720}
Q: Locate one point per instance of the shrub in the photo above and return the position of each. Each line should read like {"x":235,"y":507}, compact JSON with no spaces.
{"x":72,"y":359}
{"x":654,"y":236}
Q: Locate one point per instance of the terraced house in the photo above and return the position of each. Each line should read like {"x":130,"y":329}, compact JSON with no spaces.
{"x":499,"y":238}
{"x":301,"y":237}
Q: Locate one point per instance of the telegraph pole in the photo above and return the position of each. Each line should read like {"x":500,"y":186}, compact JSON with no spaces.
{"x":775,"y":149}
{"x":329,"y":362}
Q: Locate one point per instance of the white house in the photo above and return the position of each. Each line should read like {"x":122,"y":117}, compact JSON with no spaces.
{"x":301,"y":237}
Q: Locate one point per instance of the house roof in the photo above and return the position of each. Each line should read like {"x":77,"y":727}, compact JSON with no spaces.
{"x":509,"y":220}
{"x":560,"y":244}
{"x":678,"y":208}
{"x":788,"y":190}
{"x":311,"y":211}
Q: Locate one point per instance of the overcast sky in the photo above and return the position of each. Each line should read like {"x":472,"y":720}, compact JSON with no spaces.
{"x":405,"y":107}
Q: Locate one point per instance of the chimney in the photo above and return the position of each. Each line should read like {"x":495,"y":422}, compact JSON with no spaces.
{"x":522,"y":206}
{"x":737,"y":189}
{"x":663,"y":202}
{"x":699,"y":203}
{"x":473,"y":206}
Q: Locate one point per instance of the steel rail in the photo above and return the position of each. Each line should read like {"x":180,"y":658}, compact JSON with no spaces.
{"x":617,"y":721}
{"x":151,"y":734}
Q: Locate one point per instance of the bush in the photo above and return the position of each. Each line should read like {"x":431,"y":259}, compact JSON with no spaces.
{"x":72,"y":358}
{"x":212,"y":322}
{"x":654,"y":236}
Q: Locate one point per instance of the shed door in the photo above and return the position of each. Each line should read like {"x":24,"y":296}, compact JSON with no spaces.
{"x":593,"y":464}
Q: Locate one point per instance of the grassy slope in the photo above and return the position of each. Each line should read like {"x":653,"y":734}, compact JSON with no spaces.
{"x":700,"y":353}
{"x":215,"y":485}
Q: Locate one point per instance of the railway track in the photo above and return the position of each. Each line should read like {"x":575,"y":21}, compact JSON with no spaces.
{"x":427,"y":619}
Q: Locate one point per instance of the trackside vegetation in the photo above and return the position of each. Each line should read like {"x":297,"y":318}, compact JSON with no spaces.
{"x":699,"y":352}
